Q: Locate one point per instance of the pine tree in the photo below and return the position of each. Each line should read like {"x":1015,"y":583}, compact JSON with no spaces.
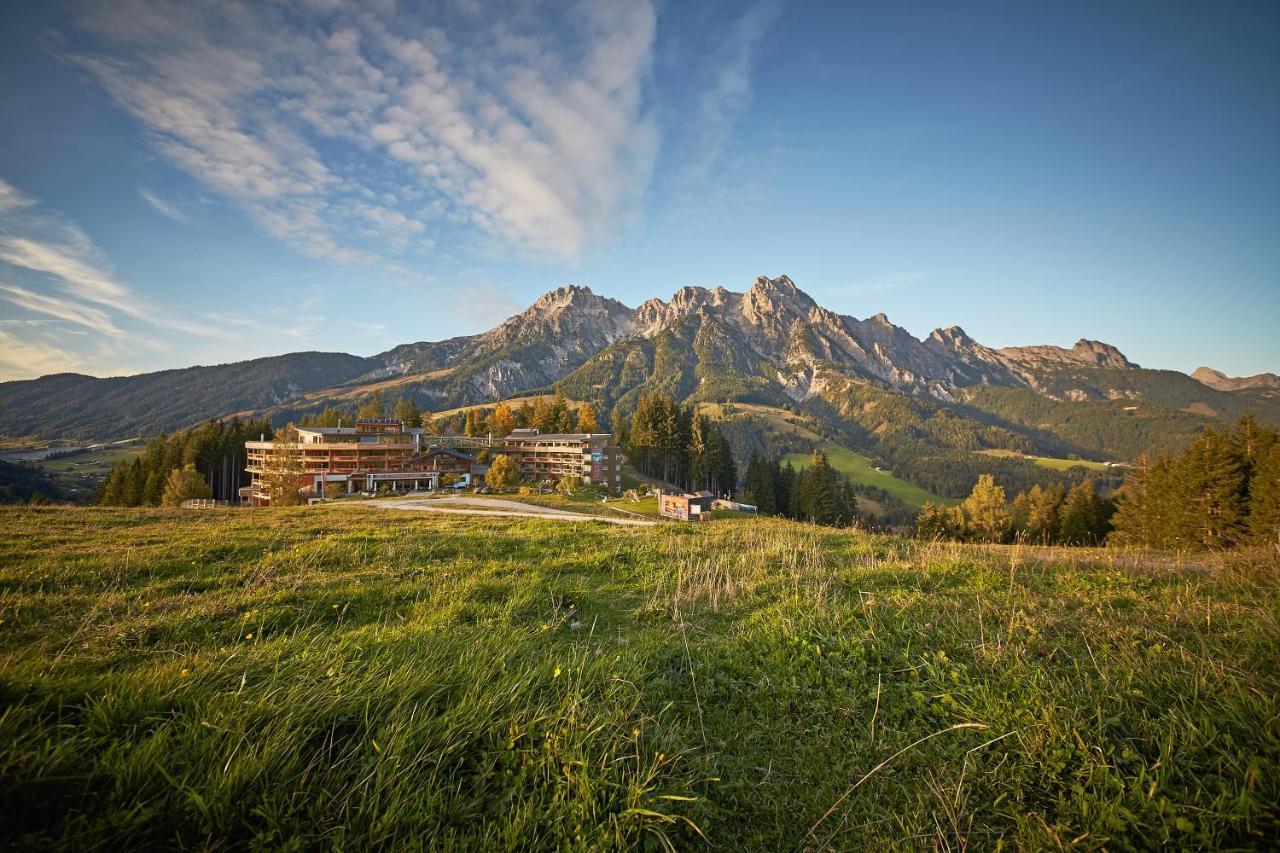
{"x":544,"y":416}
{"x":373,"y":408}
{"x":407,"y":412}
{"x":152,"y":491}
{"x":134,"y":483}
{"x":1081,"y":522}
{"x":113,"y":490}
{"x":986,"y":517}
{"x":471,"y":427}
{"x":1044,"y":515}
{"x":587,"y":419}
{"x":1264,"y":498}
{"x":1213,"y":514}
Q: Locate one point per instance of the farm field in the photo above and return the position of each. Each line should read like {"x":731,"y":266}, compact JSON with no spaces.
{"x":861,"y":469}
{"x":331,"y":676}
{"x":79,"y":474}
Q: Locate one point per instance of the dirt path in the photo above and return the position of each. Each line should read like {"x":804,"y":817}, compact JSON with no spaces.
{"x":501,"y":508}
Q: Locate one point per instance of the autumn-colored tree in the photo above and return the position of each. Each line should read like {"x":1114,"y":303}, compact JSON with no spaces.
{"x":184,"y":484}
{"x":282,"y":470}
{"x":587,"y":419}
{"x":502,"y":421}
{"x":985,"y":515}
{"x":373,"y":408}
{"x":503,"y":473}
{"x":429,"y":425}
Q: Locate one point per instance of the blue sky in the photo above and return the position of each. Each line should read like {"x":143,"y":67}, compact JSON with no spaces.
{"x":200,"y":182}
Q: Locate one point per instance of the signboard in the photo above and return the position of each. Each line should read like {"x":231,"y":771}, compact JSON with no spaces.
{"x":597,"y":465}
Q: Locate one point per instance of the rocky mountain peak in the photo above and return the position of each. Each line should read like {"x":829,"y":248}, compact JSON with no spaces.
{"x":1222,"y":382}
{"x":1100,"y":354}
{"x":953,"y":337}
{"x":566,"y":294}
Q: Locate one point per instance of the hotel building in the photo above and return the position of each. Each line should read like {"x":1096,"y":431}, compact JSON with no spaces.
{"x":376,"y":452}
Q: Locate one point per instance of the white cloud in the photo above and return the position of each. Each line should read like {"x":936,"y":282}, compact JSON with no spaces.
{"x":531,"y":124}
{"x":22,"y":359}
{"x":61,"y":309}
{"x":166,"y":208}
{"x":12,"y":198}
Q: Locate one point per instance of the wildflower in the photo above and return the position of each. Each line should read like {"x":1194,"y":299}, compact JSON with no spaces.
{"x":335,"y":607}
{"x":185,"y":672}
{"x":635,"y":733}
{"x":556,"y":674}
{"x":248,"y":636}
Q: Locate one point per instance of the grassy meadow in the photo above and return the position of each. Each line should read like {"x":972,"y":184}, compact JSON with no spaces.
{"x":340,"y":676}
{"x":861,"y":469}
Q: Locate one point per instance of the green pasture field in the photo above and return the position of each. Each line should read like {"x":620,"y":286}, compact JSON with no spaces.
{"x":349,"y":677}
{"x":861,"y":469}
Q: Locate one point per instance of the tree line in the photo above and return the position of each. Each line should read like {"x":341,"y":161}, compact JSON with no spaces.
{"x":1046,"y":515}
{"x":671,"y":442}
{"x":1222,"y":491}
{"x":207,"y":461}
{"x":547,"y":414}
{"x":816,"y":493}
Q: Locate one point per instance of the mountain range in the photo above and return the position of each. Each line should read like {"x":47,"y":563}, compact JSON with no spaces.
{"x":864,"y":382}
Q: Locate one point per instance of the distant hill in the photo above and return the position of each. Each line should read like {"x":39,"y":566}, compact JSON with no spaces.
{"x":927,"y":408}
{"x":74,"y":406}
{"x":1222,"y":382}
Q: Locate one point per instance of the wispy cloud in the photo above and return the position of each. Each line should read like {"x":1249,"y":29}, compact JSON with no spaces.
{"x":62,"y":309}
{"x":72,"y":284}
{"x":20,"y":358}
{"x":164,"y":207}
{"x":729,"y":92}
{"x":355,"y":133}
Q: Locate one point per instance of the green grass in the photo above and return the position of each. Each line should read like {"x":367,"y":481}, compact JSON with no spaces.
{"x":342,"y":676}
{"x":861,"y":469}
{"x":1055,"y":463}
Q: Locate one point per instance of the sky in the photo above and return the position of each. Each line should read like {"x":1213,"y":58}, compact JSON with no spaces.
{"x":203,"y":181}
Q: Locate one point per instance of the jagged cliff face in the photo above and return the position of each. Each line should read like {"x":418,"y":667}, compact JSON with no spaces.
{"x":772,"y":335}
{"x":770,"y":344}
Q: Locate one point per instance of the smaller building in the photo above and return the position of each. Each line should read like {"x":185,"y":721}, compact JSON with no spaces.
{"x":685,"y":507}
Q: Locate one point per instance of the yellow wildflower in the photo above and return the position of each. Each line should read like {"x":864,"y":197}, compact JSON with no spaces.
{"x":556,"y":674}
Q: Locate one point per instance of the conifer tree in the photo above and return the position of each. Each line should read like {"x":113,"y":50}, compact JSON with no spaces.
{"x":1264,"y":497}
{"x":985,"y":515}
{"x":407,"y":412}
{"x":373,"y":408}
{"x":587,"y":419}
{"x":1082,"y":521}
{"x":429,"y":425}
{"x":501,"y":421}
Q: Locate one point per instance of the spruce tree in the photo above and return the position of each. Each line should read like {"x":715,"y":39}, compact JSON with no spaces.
{"x":1081,"y":522}
{"x":407,"y":412}
{"x":373,"y":408}
{"x":1264,"y":498}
